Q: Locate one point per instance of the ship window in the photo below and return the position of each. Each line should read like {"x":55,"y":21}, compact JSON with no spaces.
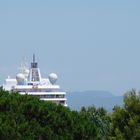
{"x":62,"y":102}
{"x":30,"y":83}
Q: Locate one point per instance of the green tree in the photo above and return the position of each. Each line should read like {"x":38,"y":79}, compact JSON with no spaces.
{"x":100,"y":118}
{"x":126,"y":119}
{"x":23,"y":117}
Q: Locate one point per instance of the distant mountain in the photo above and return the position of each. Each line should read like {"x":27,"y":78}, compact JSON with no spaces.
{"x":98,"y":98}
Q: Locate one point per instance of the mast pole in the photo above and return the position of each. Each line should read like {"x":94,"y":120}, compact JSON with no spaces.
{"x":33,"y":58}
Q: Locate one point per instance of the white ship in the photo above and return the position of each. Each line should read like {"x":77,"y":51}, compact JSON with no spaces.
{"x":29,"y":81}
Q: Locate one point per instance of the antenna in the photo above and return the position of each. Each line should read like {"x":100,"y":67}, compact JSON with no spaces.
{"x":33,"y":58}
{"x":23,"y":65}
{"x":34,"y":64}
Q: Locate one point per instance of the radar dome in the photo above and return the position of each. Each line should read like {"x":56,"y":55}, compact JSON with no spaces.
{"x":20,"y":79}
{"x":53,"y":78}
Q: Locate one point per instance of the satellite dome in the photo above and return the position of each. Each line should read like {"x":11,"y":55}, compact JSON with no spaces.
{"x":53,"y":78}
{"x":20,"y":79}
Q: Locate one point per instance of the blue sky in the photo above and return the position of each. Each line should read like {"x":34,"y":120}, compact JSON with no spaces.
{"x":91,"y":45}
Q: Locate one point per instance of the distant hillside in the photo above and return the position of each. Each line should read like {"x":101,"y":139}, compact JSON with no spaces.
{"x":98,"y":98}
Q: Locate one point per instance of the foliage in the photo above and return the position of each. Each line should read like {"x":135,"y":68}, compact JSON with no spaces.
{"x":23,"y":117}
{"x":126,"y":119}
{"x":26,"y":117}
{"x":100,"y":118}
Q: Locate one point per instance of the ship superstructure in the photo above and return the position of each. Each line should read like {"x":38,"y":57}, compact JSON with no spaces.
{"x":29,"y":81}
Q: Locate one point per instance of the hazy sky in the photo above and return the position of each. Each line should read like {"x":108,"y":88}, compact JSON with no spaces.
{"x":90,"y":44}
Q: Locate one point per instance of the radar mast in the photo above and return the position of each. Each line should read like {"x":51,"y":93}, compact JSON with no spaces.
{"x":34,"y":75}
{"x":34,"y":64}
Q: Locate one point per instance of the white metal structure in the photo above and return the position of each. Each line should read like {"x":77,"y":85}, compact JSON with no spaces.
{"x":29,"y":81}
